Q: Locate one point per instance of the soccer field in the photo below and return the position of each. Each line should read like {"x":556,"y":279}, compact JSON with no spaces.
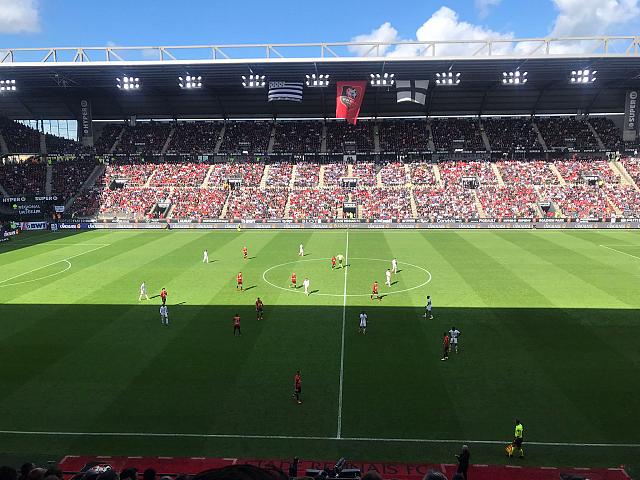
{"x":549,"y":321}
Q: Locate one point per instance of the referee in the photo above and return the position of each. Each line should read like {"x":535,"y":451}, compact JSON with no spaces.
{"x":518,"y":438}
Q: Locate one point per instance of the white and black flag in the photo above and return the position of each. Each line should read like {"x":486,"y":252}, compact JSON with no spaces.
{"x":285,"y":91}
{"x":412,"y":91}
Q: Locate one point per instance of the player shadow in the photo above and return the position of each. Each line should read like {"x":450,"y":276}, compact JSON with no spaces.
{"x":211,"y":261}
{"x":153,"y":296}
{"x":251,"y":258}
{"x":181,"y":303}
{"x":311,"y":292}
{"x":398,"y":271}
{"x":393,"y":283}
{"x":381,"y":297}
{"x":249,"y":288}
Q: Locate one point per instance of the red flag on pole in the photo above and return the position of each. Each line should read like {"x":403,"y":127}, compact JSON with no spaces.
{"x":349,"y":97}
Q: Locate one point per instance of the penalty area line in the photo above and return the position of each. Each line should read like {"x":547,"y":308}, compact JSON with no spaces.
{"x":309,"y":437}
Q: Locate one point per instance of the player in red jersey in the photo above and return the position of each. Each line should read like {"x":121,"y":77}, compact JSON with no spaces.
{"x":294,"y":280}
{"x":259,"y":309}
{"x":236,"y":325}
{"x":297,"y":388}
{"x":239,"y":281}
{"x":374,"y":291}
{"x":333,"y":262}
{"x":245,"y":252}
{"x":445,"y":346}
{"x":163,"y":295}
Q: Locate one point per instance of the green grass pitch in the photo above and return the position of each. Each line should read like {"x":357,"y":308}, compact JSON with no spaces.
{"x":549,"y":321}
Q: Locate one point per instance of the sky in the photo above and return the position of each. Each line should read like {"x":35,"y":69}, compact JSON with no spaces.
{"x":75,"y":23}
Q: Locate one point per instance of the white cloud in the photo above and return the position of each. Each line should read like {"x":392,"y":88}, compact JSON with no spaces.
{"x":593,"y":17}
{"x":483,"y":6}
{"x":384,"y":33}
{"x":19,"y":16}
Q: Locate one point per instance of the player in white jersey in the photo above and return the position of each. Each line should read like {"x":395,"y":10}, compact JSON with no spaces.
{"x":340,"y":260}
{"x":394,"y":266}
{"x":363,"y":323}
{"x":306,"y":284}
{"x":301,"y":251}
{"x":143,"y":292}
{"x":205,"y":257}
{"x":388,"y":279}
{"x":428,"y":313}
{"x":454,"y":334}
{"x":164,"y":315}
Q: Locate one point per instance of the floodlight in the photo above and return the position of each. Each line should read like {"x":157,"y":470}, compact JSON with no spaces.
{"x":128,"y":83}
{"x":384,"y":80}
{"x":8,"y":86}
{"x":253,"y":81}
{"x":514,"y":78}
{"x":448,"y":78}
{"x":583,"y":76}
{"x":190,"y":81}
{"x":313,"y":80}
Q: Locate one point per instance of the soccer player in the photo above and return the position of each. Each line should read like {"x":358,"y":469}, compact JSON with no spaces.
{"x":306,"y":284}
{"x":394,"y":265}
{"x":205,"y":257}
{"x":164,"y":315}
{"x":388,"y":278}
{"x":445,"y":347}
{"x":518,"y":438}
{"x":297,"y":387}
{"x":374,"y":291}
{"x":333,"y":262}
{"x":259,"y":309}
{"x":301,"y":251}
{"x":294,"y":280}
{"x":163,"y":295}
{"x":340,"y":259}
{"x":236,"y":325}
{"x":363,"y":323}
{"x":454,"y":333}
{"x":245,"y":252}
{"x":428,"y":312}
{"x":143,"y":292}
{"x":239,"y":281}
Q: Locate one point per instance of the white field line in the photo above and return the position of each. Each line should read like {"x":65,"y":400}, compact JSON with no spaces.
{"x":622,"y":253}
{"x":60,"y":244}
{"x":344,"y":313}
{"x":310,"y":437}
{"x":50,"y":264}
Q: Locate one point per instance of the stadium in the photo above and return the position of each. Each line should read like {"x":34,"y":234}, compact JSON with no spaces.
{"x":502,"y":185}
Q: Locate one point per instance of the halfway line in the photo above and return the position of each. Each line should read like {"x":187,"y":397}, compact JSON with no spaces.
{"x":344,"y":313}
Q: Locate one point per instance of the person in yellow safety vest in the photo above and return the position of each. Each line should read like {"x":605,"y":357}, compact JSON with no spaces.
{"x":518,"y":438}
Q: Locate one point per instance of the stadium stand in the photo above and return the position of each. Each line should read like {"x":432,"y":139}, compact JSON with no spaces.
{"x":513,"y":201}
{"x":384,"y":204}
{"x":609,"y":133}
{"x":18,"y":137}
{"x":534,"y":172}
{"x":403,"y":136}
{"x":68,"y":176}
{"x":298,"y":137}
{"x":448,"y":203}
{"x":251,"y":137}
{"x":195,"y":137}
{"x":307,"y":175}
{"x":454,"y":172}
{"x":457,"y":135}
{"x":279,"y":174}
{"x":182,"y":174}
{"x":257,"y":203}
{"x":394,"y":174}
{"x":343,"y":137}
{"x":143,"y":138}
{"x":566,"y":133}
{"x":310,"y":203}
{"x":511,"y":134}
{"x":23,"y":178}
{"x":578,"y":200}
{"x":198,"y":203}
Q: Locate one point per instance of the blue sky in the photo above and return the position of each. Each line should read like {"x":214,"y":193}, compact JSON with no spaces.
{"x":42,"y":23}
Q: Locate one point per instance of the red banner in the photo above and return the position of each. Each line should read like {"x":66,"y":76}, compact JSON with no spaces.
{"x":349,"y":98}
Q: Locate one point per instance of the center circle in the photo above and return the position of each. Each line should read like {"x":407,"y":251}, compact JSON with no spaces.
{"x":401,"y":265}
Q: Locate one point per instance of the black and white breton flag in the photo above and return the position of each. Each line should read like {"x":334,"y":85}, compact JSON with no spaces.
{"x":412,"y":91}
{"x":285,"y":91}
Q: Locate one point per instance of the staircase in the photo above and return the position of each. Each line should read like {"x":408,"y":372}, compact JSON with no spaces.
{"x":148,"y":182}
{"x":540,"y":139}
{"x":88,"y":183}
{"x":43,"y":144}
{"x":626,"y":178}
{"x":265,"y":175}
{"x":407,"y":172}
{"x":48,"y":183}
{"x":321,"y":176}
{"x":292,"y":181}
{"x":225,"y":207}
{"x":613,"y":206}
{"x":216,"y":150}
{"x":497,"y":173}
{"x":118,"y":138}
{"x":597,"y":137}
{"x":287,"y":207}
{"x":485,"y":139}
{"x":557,"y":210}
{"x":272,"y":138}
{"x":376,"y":138}
{"x":436,"y":173}
{"x":205,"y":182}
{"x":554,"y":169}
{"x":432,"y":145}
{"x":350,"y":170}
{"x":323,"y":139}
{"x":379,"y":179}
{"x":414,"y":207}
{"x":165,"y":147}
{"x":479,"y":205}
{"x":3,"y":146}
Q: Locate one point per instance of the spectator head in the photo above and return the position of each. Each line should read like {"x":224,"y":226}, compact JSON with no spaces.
{"x":241,"y":472}
{"x":53,"y":474}
{"x":36,"y":474}
{"x":149,"y":474}
{"x":8,"y":473}
{"x":371,"y":476}
{"x":129,"y":474}
{"x":435,"y":475}
{"x":26,"y":468}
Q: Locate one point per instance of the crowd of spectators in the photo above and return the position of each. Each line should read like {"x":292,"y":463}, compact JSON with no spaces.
{"x":298,"y":137}
{"x":135,"y":173}
{"x":133,"y":202}
{"x":250,"y":136}
{"x":445,"y":203}
{"x":365,"y":172}
{"x":511,"y":134}
{"x":534,"y":172}
{"x":422,"y":173}
{"x":107,"y":138}
{"x":632,"y":166}
{"x":86,"y":203}
{"x":394,"y":174}
{"x":143,"y":138}
{"x":457,"y":135}
{"x":279,"y":174}
{"x":609,"y":133}
{"x":578,"y":200}
{"x":333,"y":172}
{"x":307,"y":175}
{"x":626,"y":198}
{"x":23,"y":178}
{"x":18,"y":137}
{"x":248,"y":173}
{"x":567,"y":133}
{"x":575,"y":171}
{"x":402,"y":136}
{"x":314,"y":203}
{"x":452,"y":173}
{"x":383,"y":203}
{"x":342,"y":136}
{"x":512,"y":201}
{"x":254,"y":202}
{"x":198,"y":203}
{"x":68,"y":176}
{"x":60,"y":145}
{"x":181,"y":174}
{"x":195,"y":137}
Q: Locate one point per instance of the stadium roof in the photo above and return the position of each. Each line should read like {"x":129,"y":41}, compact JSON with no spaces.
{"x":51,"y":82}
